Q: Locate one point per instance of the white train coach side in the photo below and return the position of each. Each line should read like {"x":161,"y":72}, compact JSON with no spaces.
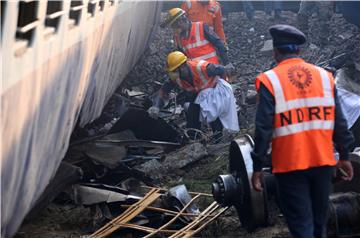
{"x":61,"y":61}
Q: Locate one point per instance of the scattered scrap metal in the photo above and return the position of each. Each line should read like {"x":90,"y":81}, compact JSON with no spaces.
{"x":127,"y":145}
{"x":194,"y":220}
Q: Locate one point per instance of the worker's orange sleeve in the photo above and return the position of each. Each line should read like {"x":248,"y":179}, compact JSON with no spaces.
{"x":218,"y":25}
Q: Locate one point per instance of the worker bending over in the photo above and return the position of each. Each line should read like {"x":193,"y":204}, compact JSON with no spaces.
{"x":299,"y":113}
{"x":214,"y":102}
{"x":195,"y":39}
{"x":207,"y":11}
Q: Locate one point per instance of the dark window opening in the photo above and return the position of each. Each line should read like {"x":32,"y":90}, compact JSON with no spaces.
{"x":27,"y":21}
{"x":102,"y":5}
{"x":53,"y":14}
{"x":3,"y":6}
{"x":112,"y":2}
{"x":75,"y":11}
{"x":91,"y":8}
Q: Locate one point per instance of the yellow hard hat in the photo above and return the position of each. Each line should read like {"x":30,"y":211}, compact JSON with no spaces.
{"x":174,"y":60}
{"x":174,"y":14}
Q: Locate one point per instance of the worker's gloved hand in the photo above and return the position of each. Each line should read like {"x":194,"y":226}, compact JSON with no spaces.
{"x":256,"y":181}
{"x":230,"y":69}
{"x":154,"y":112}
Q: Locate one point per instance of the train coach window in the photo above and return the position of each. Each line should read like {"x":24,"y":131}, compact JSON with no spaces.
{"x":3,"y":6}
{"x":92,"y":8}
{"x":53,"y":15}
{"x":75,"y":12}
{"x":27,"y":22}
{"x":101,"y":5}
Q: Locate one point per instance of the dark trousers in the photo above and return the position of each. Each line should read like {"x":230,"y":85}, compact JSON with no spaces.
{"x":355,"y":129}
{"x":192,"y":121}
{"x":304,"y":200}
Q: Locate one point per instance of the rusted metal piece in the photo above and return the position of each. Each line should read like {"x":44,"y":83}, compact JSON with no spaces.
{"x":198,"y":221}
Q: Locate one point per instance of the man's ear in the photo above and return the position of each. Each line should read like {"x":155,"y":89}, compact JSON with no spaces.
{"x":276,"y":55}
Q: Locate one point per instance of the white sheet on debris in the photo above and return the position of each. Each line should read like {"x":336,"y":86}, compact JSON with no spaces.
{"x":53,"y":84}
{"x":219,"y":102}
{"x":350,"y":105}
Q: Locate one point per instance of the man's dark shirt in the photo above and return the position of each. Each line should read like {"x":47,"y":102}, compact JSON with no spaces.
{"x":214,"y":39}
{"x":264,"y":122}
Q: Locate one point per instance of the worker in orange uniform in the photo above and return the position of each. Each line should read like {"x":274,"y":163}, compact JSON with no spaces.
{"x":208,"y":11}
{"x":212,"y":99}
{"x":195,"y":39}
{"x":299,"y":113}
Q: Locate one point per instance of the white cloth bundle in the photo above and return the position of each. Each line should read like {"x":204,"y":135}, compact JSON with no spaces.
{"x":219,"y":102}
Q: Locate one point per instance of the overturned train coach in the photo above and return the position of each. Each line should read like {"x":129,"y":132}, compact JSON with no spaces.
{"x":62,"y":60}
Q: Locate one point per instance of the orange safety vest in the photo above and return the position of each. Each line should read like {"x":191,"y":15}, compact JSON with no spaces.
{"x":209,"y":13}
{"x":304,"y":115}
{"x":200,"y":79}
{"x":196,"y":47}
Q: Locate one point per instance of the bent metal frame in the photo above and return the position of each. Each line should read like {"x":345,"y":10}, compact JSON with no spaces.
{"x":198,"y":223}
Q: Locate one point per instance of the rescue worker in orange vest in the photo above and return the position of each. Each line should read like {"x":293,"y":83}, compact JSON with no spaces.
{"x":207,"y":11}
{"x":195,"y":39}
{"x":299,"y":113}
{"x":212,"y":99}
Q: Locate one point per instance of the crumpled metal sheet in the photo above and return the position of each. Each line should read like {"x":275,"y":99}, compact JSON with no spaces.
{"x":91,"y":195}
{"x":53,"y":84}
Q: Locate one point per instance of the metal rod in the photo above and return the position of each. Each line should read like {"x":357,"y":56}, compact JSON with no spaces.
{"x":170,"y":212}
{"x":174,"y":218}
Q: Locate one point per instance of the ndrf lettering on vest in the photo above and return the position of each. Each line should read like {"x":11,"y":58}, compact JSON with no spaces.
{"x":305,"y":114}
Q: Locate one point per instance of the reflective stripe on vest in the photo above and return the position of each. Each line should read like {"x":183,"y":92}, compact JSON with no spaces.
{"x":281,"y":105}
{"x":200,"y":79}
{"x":303,"y":126}
{"x":205,"y":57}
{"x":198,"y":42}
{"x":200,"y":72}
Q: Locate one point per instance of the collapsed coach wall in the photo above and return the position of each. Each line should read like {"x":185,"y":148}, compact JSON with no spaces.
{"x":54,"y":75}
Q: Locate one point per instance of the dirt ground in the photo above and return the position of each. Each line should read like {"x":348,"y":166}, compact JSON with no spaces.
{"x":245,"y":40}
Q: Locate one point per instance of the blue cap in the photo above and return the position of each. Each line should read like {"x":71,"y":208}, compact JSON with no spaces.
{"x":285,"y":35}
